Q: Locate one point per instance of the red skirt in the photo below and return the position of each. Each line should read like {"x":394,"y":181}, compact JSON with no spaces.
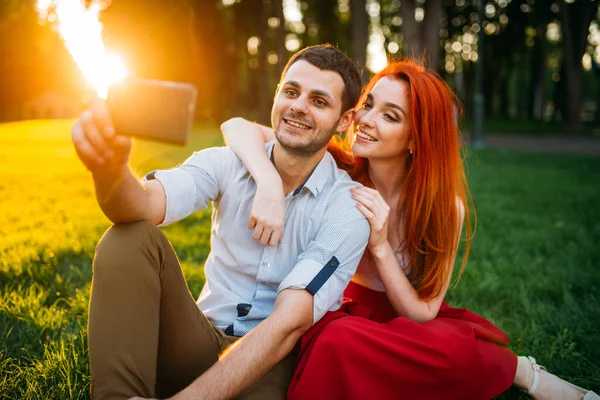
{"x":364,"y":351}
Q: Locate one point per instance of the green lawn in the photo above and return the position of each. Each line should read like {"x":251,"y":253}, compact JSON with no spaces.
{"x":534,"y":270}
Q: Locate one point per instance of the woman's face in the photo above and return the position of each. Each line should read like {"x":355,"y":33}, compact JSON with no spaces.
{"x":382,"y":122}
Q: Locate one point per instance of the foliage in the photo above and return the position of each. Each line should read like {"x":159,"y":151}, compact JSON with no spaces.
{"x":207,"y":43}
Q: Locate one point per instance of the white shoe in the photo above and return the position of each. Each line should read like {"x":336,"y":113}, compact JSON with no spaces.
{"x":587,"y":394}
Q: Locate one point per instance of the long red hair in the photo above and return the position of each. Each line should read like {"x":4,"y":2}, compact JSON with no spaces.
{"x":435,"y":181}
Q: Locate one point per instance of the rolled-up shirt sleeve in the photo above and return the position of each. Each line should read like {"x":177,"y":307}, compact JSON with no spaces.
{"x":325,"y":268}
{"x":190,"y":187}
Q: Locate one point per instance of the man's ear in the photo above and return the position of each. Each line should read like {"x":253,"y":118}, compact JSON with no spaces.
{"x":345,"y":121}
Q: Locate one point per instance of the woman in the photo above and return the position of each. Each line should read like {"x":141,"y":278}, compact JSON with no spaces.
{"x":395,"y":336}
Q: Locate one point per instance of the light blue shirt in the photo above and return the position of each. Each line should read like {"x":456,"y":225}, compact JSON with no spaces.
{"x":324,"y":237}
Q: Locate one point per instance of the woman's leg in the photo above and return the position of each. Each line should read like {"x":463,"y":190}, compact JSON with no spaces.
{"x":549,"y":386}
{"x":355,"y":358}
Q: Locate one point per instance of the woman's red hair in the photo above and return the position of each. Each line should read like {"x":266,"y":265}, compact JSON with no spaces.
{"x":435,"y":186}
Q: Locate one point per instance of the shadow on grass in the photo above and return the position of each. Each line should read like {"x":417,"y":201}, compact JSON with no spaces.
{"x":61,"y":274}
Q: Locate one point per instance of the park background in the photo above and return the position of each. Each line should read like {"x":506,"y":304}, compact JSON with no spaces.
{"x":527,"y":72}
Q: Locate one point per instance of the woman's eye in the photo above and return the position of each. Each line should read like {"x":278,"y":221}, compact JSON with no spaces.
{"x":366,"y":106}
{"x":390,"y":117}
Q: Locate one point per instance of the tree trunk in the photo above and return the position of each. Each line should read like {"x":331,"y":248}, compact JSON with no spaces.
{"x":208,"y":36}
{"x":537,"y":98}
{"x":264,"y":92}
{"x":244,"y":28}
{"x":431,"y":32}
{"x":282,"y":54}
{"x":503,"y":84}
{"x":560,"y":95}
{"x":232,"y":54}
{"x":360,"y":35}
{"x":422,"y":39}
{"x":327,"y":20}
{"x":596,"y":69}
{"x":522,"y":100}
{"x":575,"y":22}
{"x":570,"y":74}
{"x":490,"y":68}
{"x":411,"y":30}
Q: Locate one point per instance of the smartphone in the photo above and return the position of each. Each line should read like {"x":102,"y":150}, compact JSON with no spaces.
{"x":153,"y":109}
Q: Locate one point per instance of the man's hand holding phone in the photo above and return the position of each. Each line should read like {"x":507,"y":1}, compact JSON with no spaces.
{"x":101,"y":150}
{"x":144,"y":108}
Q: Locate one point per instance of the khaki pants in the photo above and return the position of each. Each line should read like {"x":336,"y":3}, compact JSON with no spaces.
{"x":146,"y":335}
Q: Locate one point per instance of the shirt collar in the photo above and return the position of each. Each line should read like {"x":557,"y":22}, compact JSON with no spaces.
{"x":317,"y":179}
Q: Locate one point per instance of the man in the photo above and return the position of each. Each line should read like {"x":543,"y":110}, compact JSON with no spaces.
{"x":147,"y":336}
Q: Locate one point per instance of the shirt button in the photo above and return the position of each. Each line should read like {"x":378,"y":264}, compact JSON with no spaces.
{"x":265,"y":264}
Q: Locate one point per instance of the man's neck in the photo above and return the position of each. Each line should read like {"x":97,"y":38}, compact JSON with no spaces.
{"x":293,"y":168}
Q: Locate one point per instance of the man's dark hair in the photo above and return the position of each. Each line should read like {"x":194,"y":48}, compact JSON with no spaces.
{"x":329,"y":58}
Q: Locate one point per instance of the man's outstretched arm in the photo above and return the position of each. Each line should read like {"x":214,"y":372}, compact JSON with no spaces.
{"x":121,"y":196}
{"x":252,"y":356}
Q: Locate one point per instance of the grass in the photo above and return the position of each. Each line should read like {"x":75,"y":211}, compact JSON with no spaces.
{"x":534,"y":269}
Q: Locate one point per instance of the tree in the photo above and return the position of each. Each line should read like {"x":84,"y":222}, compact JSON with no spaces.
{"x":541,"y":17}
{"x":360,"y":34}
{"x":277,"y":12}
{"x":264,"y":93}
{"x":325,"y":16}
{"x":33,"y":60}
{"x":575,"y":20}
{"x":422,"y":37}
{"x":212,"y":60}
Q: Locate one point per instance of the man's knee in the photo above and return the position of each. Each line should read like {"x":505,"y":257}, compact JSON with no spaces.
{"x":126,"y":244}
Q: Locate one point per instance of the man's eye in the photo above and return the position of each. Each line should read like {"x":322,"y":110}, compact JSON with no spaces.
{"x":290,"y":93}
{"x":320,"y":103}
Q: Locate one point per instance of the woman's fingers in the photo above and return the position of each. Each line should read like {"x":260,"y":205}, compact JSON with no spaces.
{"x":266,"y":232}
{"x":252,"y":221}
{"x":374,"y":220}
{"x":267,"y":214}
{"x":377,"y":225}
{"x":372,"y":199}
{"x":275,"y":237}
{"x":368,"y":214}
{"x":258,"y":231}
{"x":265,"y":237}
{"x":370,"y":203}
{"x":365,"y":199}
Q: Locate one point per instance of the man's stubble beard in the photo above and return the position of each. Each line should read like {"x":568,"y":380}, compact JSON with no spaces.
{"x":309,"y":149}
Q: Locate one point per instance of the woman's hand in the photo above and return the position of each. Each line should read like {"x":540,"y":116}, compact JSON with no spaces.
{"x":268,"y":212}
{"x":374,"y":207}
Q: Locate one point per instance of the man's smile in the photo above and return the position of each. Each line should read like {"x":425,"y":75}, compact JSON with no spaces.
{"x":296,"y":124}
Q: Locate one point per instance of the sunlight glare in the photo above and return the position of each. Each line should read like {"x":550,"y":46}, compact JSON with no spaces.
{"x":376,"y":56}
{"x":81,"y":31}
{"x":291,"y":10}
